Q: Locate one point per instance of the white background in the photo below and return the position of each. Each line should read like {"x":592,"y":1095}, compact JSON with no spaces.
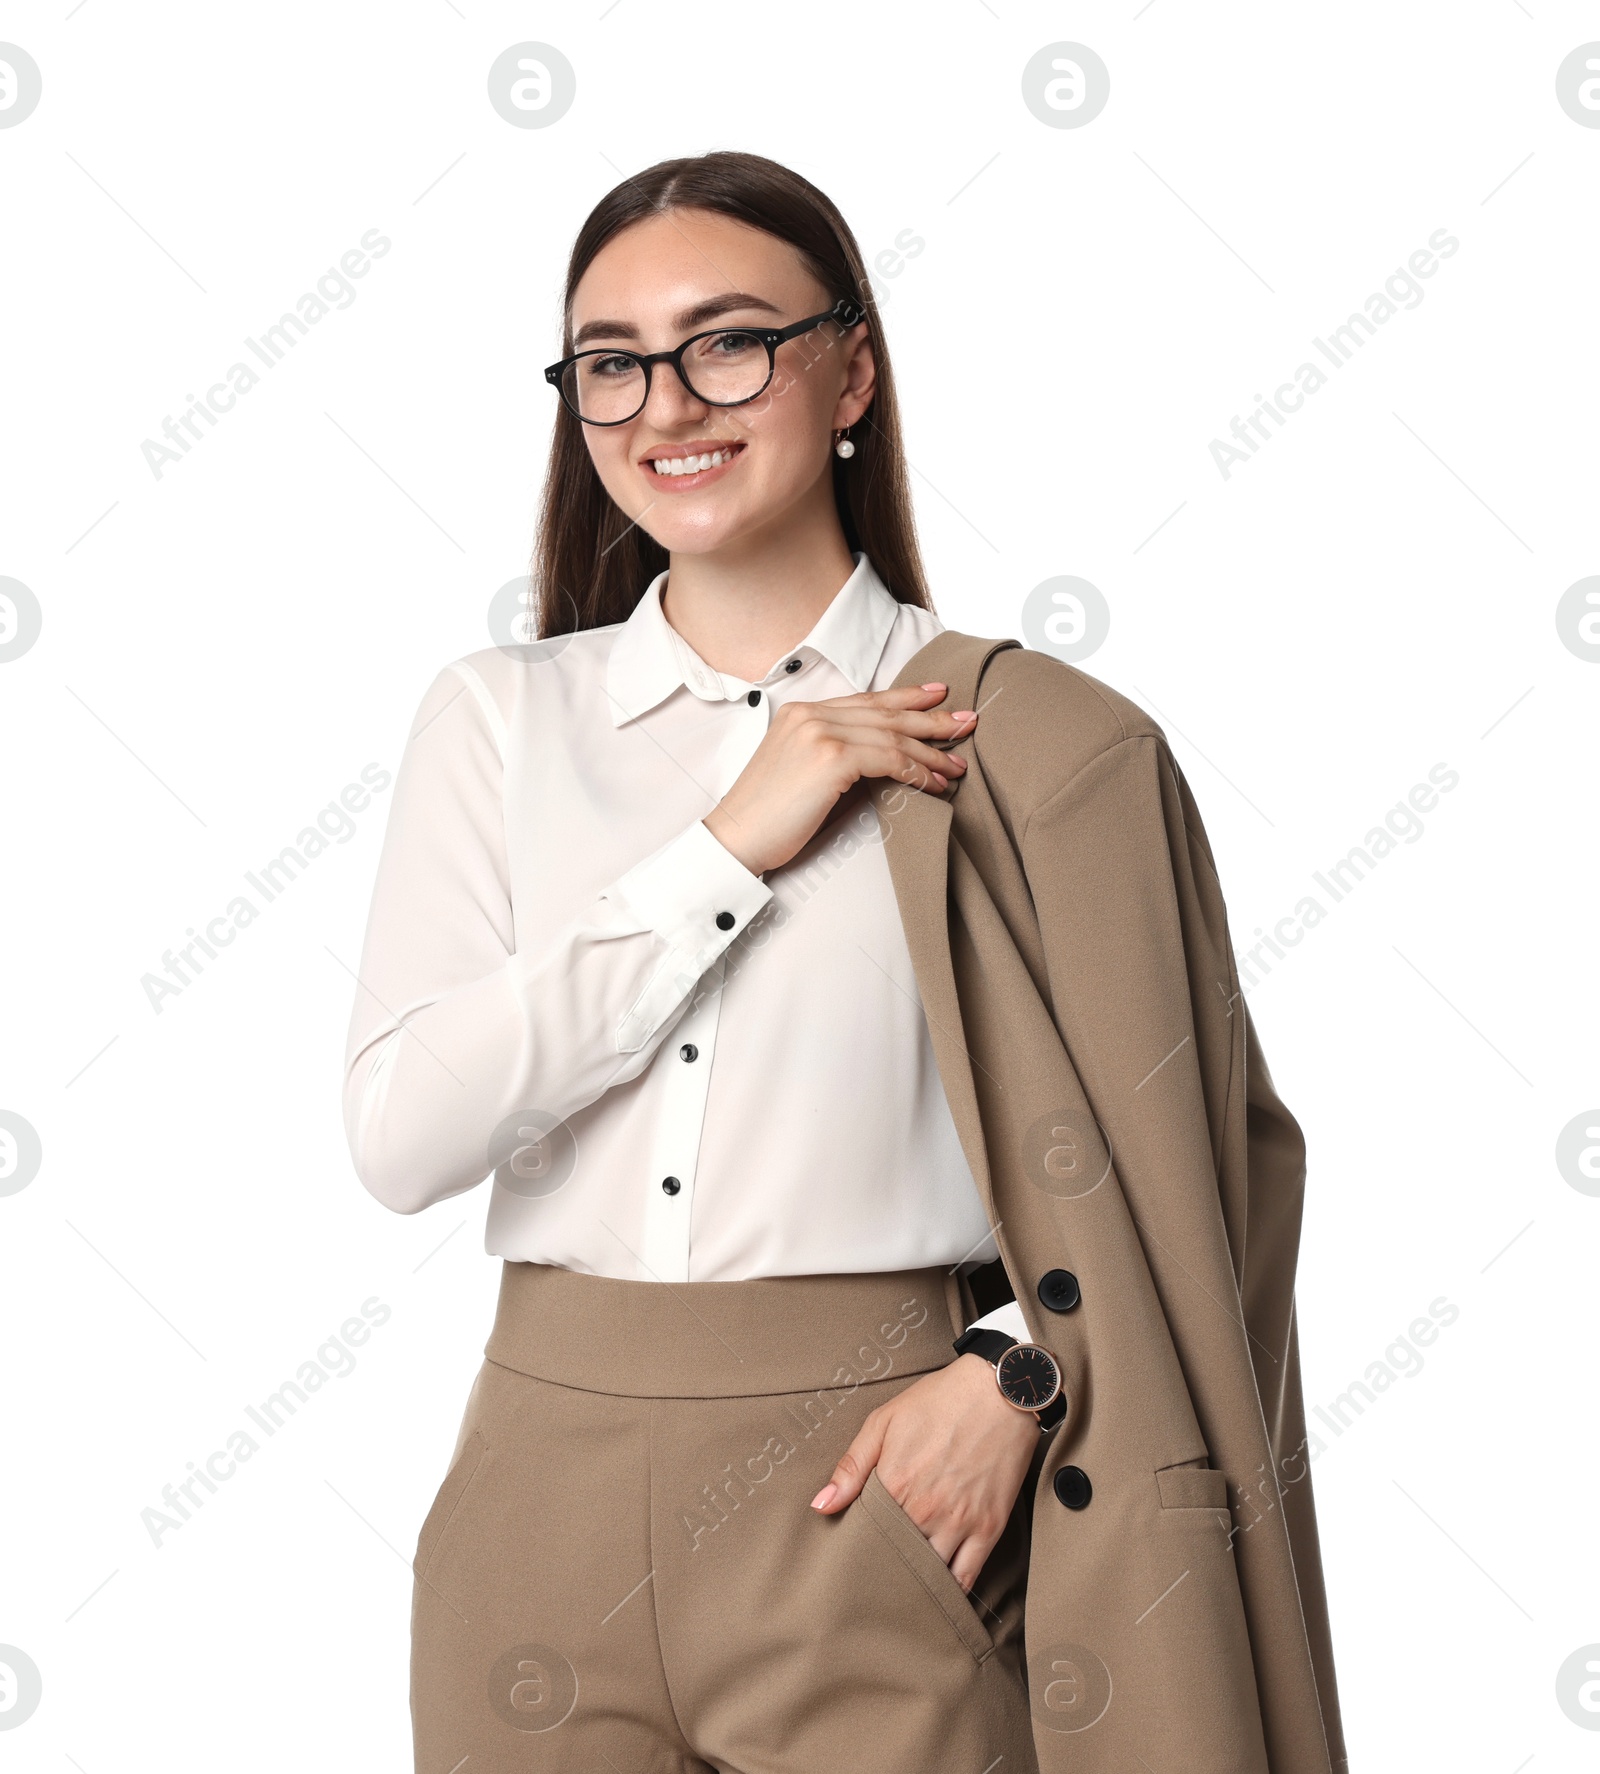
{"x":226,"y":646}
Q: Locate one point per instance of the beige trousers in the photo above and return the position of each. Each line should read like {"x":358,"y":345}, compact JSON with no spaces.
{"x":622,"y":1571}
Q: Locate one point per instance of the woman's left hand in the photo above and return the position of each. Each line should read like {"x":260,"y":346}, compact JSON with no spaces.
{"x":952,"y":1453}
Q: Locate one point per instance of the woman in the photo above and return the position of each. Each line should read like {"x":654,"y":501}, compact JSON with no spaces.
{"x":629,"y":949}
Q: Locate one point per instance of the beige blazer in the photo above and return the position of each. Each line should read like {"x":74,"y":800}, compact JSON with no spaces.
{"x":1071,"y":947}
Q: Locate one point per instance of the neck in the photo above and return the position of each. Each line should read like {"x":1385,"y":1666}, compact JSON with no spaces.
{"x":744,"y":606}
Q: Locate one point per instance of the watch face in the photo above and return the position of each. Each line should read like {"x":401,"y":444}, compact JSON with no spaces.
{"x":1028,"y":1376}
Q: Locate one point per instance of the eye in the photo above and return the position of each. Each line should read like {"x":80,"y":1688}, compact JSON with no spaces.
{"x":729,"y":345}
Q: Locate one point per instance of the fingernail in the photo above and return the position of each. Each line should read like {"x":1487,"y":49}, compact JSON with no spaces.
{"x":964,"y":714}
{"x":824,"y":1497}
{"x":933,"y":686}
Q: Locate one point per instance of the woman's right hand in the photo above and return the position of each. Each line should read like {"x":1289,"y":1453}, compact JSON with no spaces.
{"x":814,"y":752}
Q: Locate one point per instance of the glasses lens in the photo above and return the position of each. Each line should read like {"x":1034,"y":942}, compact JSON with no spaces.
{"x":604,"y":386}
{"x":726,"y":367}
{"x":607,"y":387}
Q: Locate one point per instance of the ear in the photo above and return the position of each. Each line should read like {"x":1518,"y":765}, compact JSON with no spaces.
{"x":860,"y":377}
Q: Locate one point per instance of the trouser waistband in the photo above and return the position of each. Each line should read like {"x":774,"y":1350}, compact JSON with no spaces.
{"x":722,"y":1339}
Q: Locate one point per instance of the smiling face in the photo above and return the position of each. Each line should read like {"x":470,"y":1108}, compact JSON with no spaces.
{"x":648,"y":289}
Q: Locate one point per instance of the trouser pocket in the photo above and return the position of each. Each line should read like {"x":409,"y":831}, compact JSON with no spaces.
{"x":447,"y":1501}
{"x":921,"y":1558}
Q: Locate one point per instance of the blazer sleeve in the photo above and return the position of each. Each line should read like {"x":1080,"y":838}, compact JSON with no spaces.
{"x":1146,"y":994}
{"x":1135,"y":943}
{"x":461,"y":1020}
{"x":1273,"y":1172}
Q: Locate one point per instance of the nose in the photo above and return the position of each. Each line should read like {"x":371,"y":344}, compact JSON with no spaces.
{"x":671,"y":401}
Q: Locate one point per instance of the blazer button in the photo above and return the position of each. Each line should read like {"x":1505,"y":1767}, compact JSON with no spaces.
{"x":724,"y":920}
{"x":671,"y":1185}
{"x":1058,"y":1289}
{"x":1072,"y":1487}
{"x":688,"y":1051}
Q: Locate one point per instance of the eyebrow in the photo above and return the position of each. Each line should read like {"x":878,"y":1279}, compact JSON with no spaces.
{"x":686,"y":321}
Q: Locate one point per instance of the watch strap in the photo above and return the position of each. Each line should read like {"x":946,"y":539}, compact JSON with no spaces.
{"x":980,"y":1340}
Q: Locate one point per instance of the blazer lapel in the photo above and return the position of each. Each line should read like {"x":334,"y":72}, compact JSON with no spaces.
{"x":916,"y":842}
{"x":916,"y":838}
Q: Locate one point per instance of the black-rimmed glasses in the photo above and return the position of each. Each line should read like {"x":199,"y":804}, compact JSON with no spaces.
{"x":724,"y":368}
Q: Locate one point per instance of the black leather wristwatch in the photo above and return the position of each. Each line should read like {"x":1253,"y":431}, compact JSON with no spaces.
{"x":1026,"y":1373}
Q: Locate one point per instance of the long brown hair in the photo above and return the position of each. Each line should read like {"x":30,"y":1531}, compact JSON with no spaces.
{"x":590,"y":561}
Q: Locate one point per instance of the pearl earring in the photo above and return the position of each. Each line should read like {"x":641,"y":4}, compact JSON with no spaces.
{"x":842,"y":445}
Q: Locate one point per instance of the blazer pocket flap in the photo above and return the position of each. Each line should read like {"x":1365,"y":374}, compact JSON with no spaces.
{"x":1192,"y":1486}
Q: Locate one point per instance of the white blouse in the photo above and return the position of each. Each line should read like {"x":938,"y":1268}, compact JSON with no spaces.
{"x":676,"y":1070}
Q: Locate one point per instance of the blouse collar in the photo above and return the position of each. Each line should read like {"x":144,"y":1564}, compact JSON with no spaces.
{"x":650,"y":659}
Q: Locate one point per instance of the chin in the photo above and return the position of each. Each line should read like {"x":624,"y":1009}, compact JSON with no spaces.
{"x":695,"y":533}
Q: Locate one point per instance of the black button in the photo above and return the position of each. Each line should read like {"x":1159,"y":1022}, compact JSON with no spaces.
{"x":688,"y":1051}
{"x":671,"y":1185}
{"x":1073,"y":1487}
{"x":1058,"y":1289}
{"x":753,"y":698}
{"x":793,"y":665}
{"x":724,"y":920}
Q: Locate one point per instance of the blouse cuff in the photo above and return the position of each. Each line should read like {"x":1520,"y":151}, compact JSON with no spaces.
{"x":697,"y":896}
{"x":1007,"y":1318}
{"x":693,"y":892}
